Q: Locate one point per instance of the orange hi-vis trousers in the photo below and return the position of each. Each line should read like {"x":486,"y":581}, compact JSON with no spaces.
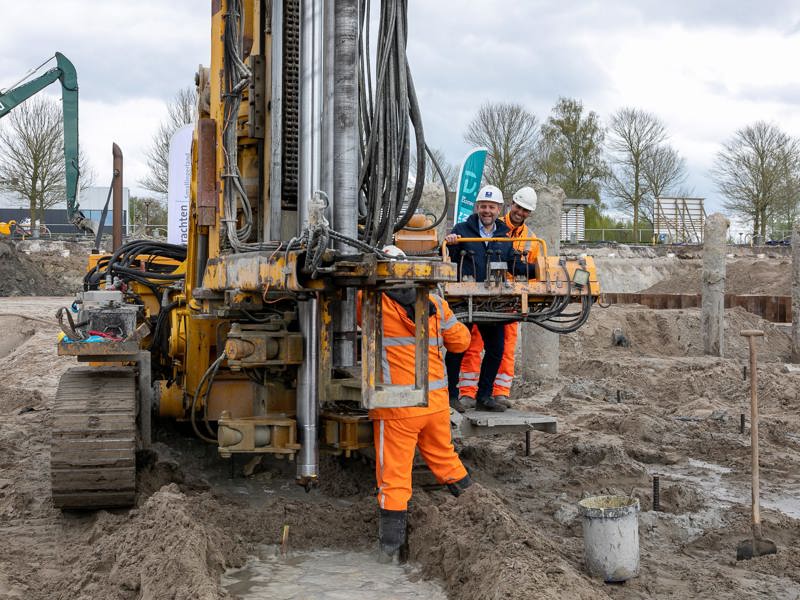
{"x":471,"y":364}
{"x":395,"y":442}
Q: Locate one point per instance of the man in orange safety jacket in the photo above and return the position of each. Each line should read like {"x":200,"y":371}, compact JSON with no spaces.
{"x":523,"y":204}
{"x":399,"y":431}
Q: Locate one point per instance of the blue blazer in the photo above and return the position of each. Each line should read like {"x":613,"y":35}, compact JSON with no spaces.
{"x":475,"y":264}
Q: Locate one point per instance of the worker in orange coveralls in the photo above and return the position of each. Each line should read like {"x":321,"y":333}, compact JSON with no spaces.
{"x":523,"y":204}
{"x":398,"y":431}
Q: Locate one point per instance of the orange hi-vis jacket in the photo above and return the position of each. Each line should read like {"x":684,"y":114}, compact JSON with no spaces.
{"x":471,"y":363}
{"x":399,"y":432}
{"x":398,"y":359}
{"x":531,"y":248}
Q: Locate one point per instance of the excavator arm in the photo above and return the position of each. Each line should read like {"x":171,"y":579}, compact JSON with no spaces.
{"x":64,"y":71}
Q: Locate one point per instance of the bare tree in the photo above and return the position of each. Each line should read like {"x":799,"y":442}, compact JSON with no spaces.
{"x":511,"y":133}
{"x":757,"y":171}
{"x":181,"y":110}
{"x":570,"y":153}
{"x":449,"y":170}
{"x":32,"y":163}
{"x":664,"y":171}
{"x":635,"y":135}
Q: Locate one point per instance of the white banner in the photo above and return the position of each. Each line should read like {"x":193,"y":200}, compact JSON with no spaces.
{"x":180,"y":180}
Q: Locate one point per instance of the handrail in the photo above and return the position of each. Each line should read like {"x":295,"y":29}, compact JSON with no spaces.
{"x":540,"y":241}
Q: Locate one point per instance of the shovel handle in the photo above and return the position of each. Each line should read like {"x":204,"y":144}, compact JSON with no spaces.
{"x":750,"y":334}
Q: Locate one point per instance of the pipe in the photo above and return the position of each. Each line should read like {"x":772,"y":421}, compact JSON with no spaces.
{"x":307,"y":410}
{"x":116,"y":205}
{"x":345,"y":165}
{"x":310,"y":173}
{"x":276,"y":114}
{"x":311,"y":86}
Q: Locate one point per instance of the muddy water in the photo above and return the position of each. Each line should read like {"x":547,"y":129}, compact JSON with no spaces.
{"x":326,"y":575}
{"x":710,"y":478}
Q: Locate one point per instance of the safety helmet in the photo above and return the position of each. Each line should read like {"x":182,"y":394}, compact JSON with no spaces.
{"x":490,"y":193}
{"x":525,"y":198}
{"x":393,"y":251}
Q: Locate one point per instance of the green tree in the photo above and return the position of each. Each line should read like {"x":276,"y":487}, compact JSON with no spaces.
{"x":571,"y":150}
{"x":757,"y":172}
{"x":148,"y":214}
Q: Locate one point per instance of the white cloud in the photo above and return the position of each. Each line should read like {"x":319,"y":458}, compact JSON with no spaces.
{"x":705,"y":68}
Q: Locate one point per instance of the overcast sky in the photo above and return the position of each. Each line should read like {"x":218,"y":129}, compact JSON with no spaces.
{"x":705,"y":67}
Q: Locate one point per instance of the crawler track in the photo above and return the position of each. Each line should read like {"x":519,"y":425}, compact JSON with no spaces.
{"x":93,"y":451}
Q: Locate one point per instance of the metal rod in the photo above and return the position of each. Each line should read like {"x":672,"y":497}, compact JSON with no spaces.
{"x":276,"y":115}
{"x":308,"y":462}
{"x":116,"y":199}
{"x":310,"y":173}
{"x":528,"y":442}
{"x":345,"y":163}
{"x":656,"y":493}
{"x":311,"y":87}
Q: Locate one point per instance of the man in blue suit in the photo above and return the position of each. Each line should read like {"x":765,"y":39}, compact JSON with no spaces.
{"x":473,"y":260}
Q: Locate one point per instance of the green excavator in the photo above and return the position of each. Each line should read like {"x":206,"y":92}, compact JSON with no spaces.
{"x":64,"y":71}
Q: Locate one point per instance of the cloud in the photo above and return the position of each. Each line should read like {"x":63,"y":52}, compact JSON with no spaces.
{"x":705,"y":68}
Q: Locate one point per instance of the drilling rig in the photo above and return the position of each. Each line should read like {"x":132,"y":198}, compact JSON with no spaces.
{"x":309,"y":132}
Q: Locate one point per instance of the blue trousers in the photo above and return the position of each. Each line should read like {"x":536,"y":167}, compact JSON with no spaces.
{"x":493,"y":341}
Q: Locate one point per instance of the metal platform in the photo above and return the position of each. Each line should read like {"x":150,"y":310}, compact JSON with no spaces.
{"x":481,"y":423}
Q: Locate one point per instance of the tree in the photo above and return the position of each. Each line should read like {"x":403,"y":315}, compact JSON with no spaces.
{"x":640,"y":160}
{"x":181,"y":110}
{"x":147,"y":213}
{"x":757,"y":172}
{"x":449,"y":170}
{"x":570,"y":153}
{"x":511,"y":133}
{"x":32,"y":156}
{"x":664,"y":171}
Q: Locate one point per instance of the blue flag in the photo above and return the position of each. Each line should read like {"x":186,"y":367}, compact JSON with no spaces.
{"x":469,"y":183}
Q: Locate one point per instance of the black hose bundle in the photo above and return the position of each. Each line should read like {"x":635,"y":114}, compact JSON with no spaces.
{"x":128,"y":264}
{"x":388,"y":122}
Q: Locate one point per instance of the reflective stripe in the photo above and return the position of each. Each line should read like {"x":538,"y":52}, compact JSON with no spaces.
{"x":380,"y":462}
{"x":438,"y":302}
{"x":449,"y":323}
{"x":387,"y":373}
{"x":408,"y":341}
{"x":468,"y":377}
{"x":438,"y":384}
{"x":503,"y":377}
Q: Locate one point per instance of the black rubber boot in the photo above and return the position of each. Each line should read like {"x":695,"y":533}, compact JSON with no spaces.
{"x":459,"y":487}
{"x":392,"y":533}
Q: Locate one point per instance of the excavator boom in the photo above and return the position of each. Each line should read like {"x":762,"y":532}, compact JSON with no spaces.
{"x":64,"y":71}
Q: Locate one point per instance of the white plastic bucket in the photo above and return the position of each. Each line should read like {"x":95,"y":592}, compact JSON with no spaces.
{"x":611,"y":537}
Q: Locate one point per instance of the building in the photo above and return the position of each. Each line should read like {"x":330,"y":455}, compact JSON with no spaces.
{"x":91,"y":201}
{"x":573,"y":220}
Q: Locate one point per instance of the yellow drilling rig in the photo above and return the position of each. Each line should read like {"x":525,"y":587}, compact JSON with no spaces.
{"x":308,"y":134}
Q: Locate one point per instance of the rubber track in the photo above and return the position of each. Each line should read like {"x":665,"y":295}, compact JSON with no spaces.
{"x":93,"y":450}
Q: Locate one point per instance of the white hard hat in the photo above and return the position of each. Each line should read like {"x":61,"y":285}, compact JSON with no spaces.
{"x":490,"y":193}
{"x":393,"y":251}
{"x":526,"y":198}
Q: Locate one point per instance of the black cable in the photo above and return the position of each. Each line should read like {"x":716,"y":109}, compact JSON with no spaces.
{"x":386,"y":124}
